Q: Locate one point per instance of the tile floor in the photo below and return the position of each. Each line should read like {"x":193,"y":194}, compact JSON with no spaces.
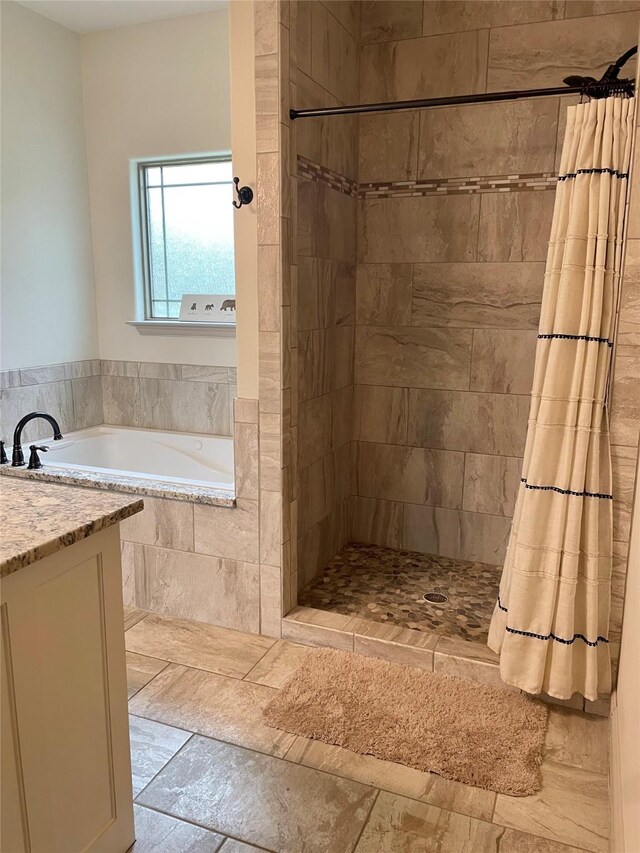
{"x":209,"y":776}
{"x":385,"y":585}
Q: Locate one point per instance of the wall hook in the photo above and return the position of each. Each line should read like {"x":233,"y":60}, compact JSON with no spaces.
{"x":245,"y":194}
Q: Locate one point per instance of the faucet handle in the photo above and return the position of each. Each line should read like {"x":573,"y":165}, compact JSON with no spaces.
{"x":34,"y":459}
{"x":3,"y":454}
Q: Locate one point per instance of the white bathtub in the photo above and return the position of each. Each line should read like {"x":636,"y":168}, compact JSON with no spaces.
{"x":144,"y":454}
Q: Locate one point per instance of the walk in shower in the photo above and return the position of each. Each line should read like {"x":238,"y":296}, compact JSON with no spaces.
{"x":422,"y":233}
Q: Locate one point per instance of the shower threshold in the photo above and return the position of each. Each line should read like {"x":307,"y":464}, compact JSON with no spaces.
{"x":388,"y":586}
{"x":370,"y":600}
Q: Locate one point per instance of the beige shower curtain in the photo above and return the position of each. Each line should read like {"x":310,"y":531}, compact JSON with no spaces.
{"x":550,"y":624}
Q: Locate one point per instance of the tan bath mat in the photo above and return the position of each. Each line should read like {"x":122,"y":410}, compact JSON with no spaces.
{"x":473,"y":733}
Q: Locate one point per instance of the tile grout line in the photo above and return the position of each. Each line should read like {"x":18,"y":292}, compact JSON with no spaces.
{"x":138,"y":621}
{"x":188,"y":740}
{"x":536,"y":21}
{"x":245,"y":677}
{"x":439,"y":506}
{"x":488,"y":57}
{"x":166,"y":664}
{"x":225,"y":837}
{"x":366,"y":821}
{"x":421,"y":388}
{"x":539,"y":262}
{"x":200,"y":669}
{"x":444,"y":390}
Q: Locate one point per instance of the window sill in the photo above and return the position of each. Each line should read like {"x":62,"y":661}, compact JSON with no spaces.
{"x":183,"y":327}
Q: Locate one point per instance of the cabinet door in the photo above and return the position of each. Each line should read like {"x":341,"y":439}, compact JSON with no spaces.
{"x":65,"y":626}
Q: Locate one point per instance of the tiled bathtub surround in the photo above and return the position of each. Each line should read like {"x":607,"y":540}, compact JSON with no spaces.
{"x":194,"y":562}
{"x":186,"y":558}
{"x":180,"y":397}
{"x":71,"y":392}
{"x":197,"y":561}
{"x":148,"y":395}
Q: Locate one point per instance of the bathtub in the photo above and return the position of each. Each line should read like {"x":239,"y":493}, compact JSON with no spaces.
{"x":153,"y":462}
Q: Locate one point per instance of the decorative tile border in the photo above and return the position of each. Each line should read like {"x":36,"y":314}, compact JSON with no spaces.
{"x":314,"y":172}
{"x":533,"y":182}
{"x":529,"y":182}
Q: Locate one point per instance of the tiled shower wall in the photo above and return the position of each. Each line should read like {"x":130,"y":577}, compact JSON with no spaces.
{"x":147,"y":395}
{"x":454,"y":218}
{"x":326,"y":72}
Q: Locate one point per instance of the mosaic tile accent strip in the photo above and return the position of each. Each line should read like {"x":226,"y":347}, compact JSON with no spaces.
{"x":388,"y":586}
{"x":534,"y":182}
{"x":529,"y":182}
{"x":314,"y":172}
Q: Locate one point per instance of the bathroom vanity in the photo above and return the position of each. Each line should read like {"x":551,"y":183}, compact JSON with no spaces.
{"x":65,"y":768}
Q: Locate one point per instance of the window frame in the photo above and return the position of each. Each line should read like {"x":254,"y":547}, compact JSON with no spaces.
{"x":145,"y":316}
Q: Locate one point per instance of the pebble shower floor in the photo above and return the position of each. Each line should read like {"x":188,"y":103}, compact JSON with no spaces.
{"x":388,"y":586}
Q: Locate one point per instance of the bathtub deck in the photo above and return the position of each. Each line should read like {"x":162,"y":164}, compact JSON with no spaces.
{"x":128,"y":485}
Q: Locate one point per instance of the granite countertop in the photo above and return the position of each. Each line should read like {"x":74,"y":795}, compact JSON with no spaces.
{"x":128,"y":484}
{"x":38,"y":519}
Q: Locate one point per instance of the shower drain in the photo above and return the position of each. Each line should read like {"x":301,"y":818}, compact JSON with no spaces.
{"x":435,"y":597}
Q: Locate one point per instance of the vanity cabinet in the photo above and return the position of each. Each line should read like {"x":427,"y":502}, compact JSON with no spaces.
{"x":66,"y":773}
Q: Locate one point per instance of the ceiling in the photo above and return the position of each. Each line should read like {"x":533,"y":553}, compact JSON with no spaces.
{"x":84,"y":16}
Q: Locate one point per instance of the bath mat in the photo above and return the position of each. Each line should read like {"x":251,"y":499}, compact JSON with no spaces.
{"x":469,"y":732}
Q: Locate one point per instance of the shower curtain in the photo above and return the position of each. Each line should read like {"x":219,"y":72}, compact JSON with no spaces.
{"x":550,"y":623}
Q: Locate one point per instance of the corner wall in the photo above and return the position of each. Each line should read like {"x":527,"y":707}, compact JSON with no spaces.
{"x":326,"y":72}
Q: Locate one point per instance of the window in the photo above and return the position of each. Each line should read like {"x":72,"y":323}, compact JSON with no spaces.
{"x":186,"y":220}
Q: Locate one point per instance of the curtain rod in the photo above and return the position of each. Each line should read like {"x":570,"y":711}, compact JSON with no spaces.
{"x":608,"y":84}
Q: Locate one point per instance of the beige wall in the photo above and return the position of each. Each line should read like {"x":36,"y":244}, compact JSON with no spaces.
{"x":48,"y":303}
{"x":153,"y":90}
